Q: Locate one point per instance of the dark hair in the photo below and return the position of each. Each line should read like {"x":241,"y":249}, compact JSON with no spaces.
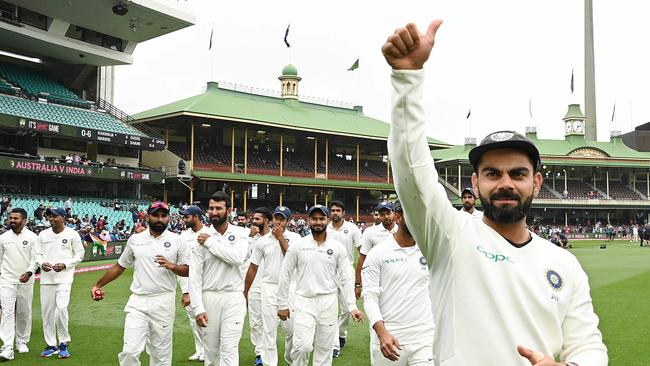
{"x":337,"y":204}
{"x":20,"y":211}
{"x":241,"y":214}
{"x":265,"y":211}
{"x":221,"y":196}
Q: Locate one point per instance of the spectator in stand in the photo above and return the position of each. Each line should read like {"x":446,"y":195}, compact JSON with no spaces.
{"x":68,"y":205}
{"x":134,"y":212}
{"x":242,"y":220}
{"x":68,"y":159}
{"x":38,"y":212}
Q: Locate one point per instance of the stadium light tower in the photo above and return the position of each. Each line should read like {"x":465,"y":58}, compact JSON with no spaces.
{"x":591,"y":127}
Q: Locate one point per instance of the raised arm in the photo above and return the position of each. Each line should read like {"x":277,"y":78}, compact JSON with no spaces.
{"x":234,"y":253}
{"x":430,"y":215}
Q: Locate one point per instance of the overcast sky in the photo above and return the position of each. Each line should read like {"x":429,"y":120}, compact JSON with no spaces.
{"x":492,"y":56}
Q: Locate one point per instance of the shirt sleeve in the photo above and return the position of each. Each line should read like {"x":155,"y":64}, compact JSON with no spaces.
{"x":32,"y":258}
{"x":256,"y":256}
{"x":38,"y":251}
{"x":127,"y":258}
{"x":346,"y":277}
{"x":431,"y":217}
{"x":583,"y":342}
{"x":183,"y":258}
{"x":78,"y":251}
{"x":288,"y":266}
{"x":196,"y":280}
{"x":356,"y":236}
{"x":234,"y":252}
{"x":365,"y":243}
{"x":371,"y":276}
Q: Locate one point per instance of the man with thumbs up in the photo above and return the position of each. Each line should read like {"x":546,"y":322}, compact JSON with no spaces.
{"x":500,"y":294}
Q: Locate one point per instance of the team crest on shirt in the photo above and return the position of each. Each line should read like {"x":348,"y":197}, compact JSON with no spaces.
{"x":167,"y":244}
{"x":330,"y":251}
{"x":64,"y":241}
{"x":423,"y":261}
{"x":24,"y":242}
{"x":231,"y":238}
{"x":554,"y":279}
{"x":345,"y":231}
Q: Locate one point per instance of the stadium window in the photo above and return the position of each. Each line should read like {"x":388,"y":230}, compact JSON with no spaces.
{"x":32,"y":18}
{"x":8,"y":11}
{"x":96,"y":38}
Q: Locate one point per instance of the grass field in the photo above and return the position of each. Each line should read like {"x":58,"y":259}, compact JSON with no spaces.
{"x":619,"y":278}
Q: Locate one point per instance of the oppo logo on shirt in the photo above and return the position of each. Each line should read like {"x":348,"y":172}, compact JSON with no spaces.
{"x":496,"y":258}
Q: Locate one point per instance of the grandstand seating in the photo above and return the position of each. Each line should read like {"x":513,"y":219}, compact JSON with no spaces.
{"x":579,"y":190}
{"x":82,"y":206}
{"x":64,"y":115}
{"x":6,"y":88}
{"x":35,"y":83}
{"x":546,"y":194}
{"x":620,"y":191}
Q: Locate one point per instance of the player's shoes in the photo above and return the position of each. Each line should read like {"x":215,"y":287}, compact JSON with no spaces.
{"x":22,"y":348}
{"x":336,"y":353}
{"x":63,"y":351}
{"x":7,"y":354}
{"x":258,"y":360}
{"x":341,"y":342}
{"x":195,"y":357}
{"x":49,"y":351}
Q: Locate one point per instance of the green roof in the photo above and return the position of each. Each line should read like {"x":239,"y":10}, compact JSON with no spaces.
{"x":289,"y":70}
{"x":573,"y":150}
{"x":238,"y":106}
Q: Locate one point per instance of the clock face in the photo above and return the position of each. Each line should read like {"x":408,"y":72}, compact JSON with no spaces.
{"x":577,"y":126}
{"x":569,"y":128}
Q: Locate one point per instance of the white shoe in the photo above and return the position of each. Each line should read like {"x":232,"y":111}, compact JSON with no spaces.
{"x":7,"y":354}
{"x":202,"y":357}
{"x":195,"y":357}
{"x":22,"y":348}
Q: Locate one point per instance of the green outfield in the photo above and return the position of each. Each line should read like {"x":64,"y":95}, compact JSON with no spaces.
{"x":619,"y":277}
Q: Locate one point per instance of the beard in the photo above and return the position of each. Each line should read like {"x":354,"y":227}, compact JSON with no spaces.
{"x":158,"y":228}
{"x":318,"y":229}
{"x":467,"y":206}
{"x":506,"y":214}
{"x":191,"y":225}
{"x":218,"y":221}
{"x":336,"y":218}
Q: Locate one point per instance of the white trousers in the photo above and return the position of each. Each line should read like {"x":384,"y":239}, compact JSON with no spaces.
{"x":16,"y":321}
{"x":420,"y":354}
{"x":255,"y":316}
{"x":226,"y":312}
{"x":54,"y":310}
{"x":150,"y":320}
{"x":314,"y":328}
{"x":270,"y":322}
{"x":197,"y":332}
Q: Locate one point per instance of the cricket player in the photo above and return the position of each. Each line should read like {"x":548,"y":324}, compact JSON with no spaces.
{"x":322,"y":269}
{"x":501,"y":295}
{"x":193,"y":218}
{"x":157,"y":256}
{"x":468,"y":198}
{"x":259,"y":228}
{"x":57,"y":251}
{"x":373,"y":237}
{"x":217,"y":284}
{"x":270,"y":249}
{"x":397,"y":300}
{"x":17,"y":265}
{"x":348,"y":234}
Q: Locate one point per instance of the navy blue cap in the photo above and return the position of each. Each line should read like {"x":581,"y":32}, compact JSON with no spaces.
{"x":320,"y":208}
{"x":282,"y":210}
{"x":503,"y":140}
{"x":385,"y":205}
{"x":58,"y":211}
{"x":468,"y":190}
{"x":192,"y":210}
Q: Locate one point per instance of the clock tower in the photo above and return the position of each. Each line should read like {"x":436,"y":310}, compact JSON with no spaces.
{"x":574,"y":121}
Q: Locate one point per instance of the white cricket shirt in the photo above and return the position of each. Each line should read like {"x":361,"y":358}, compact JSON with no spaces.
{"x":320,"y":270}
{"x":64,"y":247}
{"x":216,"y":265}
{"x":476,"y":214}
{"x":349,"y":235}
{"x":189,"y":239}
{"x":488,"y":296}
{"x":376,"y":235}
{"x":396,"y":290}
{"x":17,"y":255}
{"x":267,"y":250}
{"x":149,"y":278}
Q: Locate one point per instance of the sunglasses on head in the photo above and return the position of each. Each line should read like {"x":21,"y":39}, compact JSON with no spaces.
{"x":158,"y":204}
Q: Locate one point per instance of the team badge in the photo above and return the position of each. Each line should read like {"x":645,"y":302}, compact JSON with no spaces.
{"x":167,"y":244}
{"x":24,"y":242}
{"x":282,"y":208}
{"x":231,"y":238}
{"x":501,"y":136}
{"x":423,"y":261}
{"x":554,"y":279}
{"x":345,"y":231}
{"x":65,"y":241}
{"x":330,"y":251}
